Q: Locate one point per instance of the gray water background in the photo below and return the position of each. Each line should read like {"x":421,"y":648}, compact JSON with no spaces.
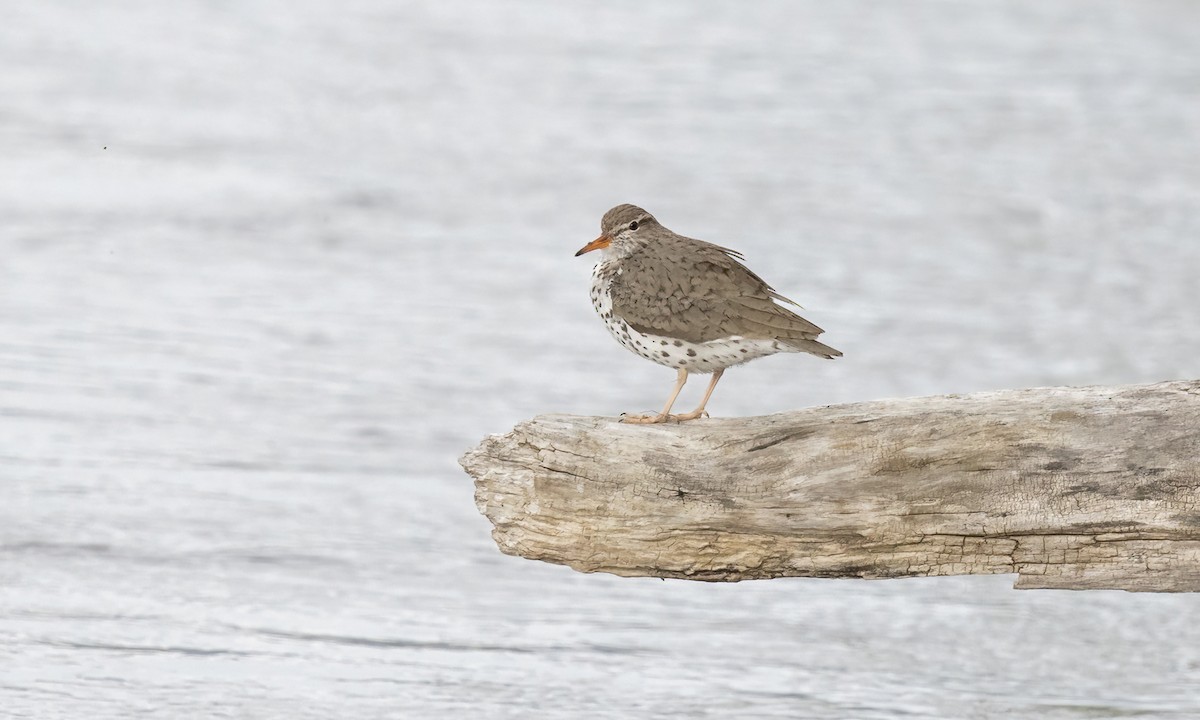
{"x":268,"y":268}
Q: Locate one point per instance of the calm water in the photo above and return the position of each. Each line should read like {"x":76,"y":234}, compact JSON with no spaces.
{"x":269,"y":268}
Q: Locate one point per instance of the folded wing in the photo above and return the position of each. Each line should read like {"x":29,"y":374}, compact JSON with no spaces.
{"x":699,"y":292}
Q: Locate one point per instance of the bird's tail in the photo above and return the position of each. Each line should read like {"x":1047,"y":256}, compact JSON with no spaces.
{"x":812,"y":346}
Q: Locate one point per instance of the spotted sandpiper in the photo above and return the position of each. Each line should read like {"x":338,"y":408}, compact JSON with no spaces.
{"x":688,"y":304}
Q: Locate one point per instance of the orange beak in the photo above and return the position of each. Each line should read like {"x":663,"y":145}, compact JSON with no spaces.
{"x":599,"y":243}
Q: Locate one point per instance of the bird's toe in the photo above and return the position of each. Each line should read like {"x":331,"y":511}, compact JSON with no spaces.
{"x":645,"y":419}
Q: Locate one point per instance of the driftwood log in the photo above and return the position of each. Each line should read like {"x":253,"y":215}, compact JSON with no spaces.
{"x":1078,"y":488}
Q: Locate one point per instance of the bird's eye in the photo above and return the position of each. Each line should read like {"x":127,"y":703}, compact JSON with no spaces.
{"x":633,"y":225}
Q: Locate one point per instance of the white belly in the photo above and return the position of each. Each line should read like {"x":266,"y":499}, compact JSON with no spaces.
{"x":702,"y":357}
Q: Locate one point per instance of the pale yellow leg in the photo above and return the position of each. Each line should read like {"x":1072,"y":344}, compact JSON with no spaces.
{"x":666,"y":412}
{"x":707,"y":393}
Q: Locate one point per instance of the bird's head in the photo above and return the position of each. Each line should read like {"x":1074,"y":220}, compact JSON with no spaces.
{"x":622,"y":230}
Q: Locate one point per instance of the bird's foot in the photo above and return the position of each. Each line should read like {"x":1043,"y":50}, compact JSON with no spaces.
{"x":646,"y":419}
{"x":662,"y":418}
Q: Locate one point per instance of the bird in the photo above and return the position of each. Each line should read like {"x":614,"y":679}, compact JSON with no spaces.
{"x":688,"y":304}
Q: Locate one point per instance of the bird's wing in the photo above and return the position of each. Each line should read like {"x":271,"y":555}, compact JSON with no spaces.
{"x":702,"y":293}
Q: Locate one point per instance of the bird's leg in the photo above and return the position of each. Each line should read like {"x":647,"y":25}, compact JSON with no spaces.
{"x":700,"y":410}
{"x":666,"y":412}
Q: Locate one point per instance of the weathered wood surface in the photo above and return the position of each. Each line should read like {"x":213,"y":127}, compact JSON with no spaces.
{"x":1080,"y":488}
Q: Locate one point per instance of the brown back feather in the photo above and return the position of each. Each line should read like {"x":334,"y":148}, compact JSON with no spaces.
{"x":696,"y":291}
